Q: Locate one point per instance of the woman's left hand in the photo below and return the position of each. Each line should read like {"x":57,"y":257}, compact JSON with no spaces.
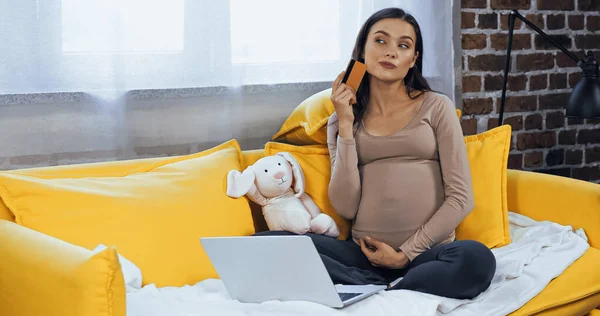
{"x":382,"y":255}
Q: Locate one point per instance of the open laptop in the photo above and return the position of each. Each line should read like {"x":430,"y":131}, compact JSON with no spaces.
{"x":256,"y":269}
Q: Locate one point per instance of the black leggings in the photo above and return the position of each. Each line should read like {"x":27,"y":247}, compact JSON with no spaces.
{"x":461,"y":269}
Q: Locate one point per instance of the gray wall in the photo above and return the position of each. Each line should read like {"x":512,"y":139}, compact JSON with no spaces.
{"x":68,"y":128}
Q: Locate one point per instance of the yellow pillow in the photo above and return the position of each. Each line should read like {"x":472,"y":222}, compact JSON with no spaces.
{"x":488,"y":159}
{"x":41,"y":275}
{"x":316,"y":166}
{"x":307,"y":123}
{"x":105,"y":168}
{"x":154,"y":215}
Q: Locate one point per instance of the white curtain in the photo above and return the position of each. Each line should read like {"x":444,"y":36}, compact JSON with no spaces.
{"x":121,"y":45}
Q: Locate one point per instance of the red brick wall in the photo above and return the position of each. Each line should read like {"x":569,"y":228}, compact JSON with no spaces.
{"x":540,"y":80}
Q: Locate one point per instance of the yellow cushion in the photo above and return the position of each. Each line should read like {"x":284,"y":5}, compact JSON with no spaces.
{"x":41,"y":275}
{"x":154,"y":215}
{"x":307,"y":123}
{"x":249,"y":157}
{"x":316,"y":166}
{"x":105,"y":168}
{"x":579,"y":283}
{"x":5,"y":213}
{"x":488,"y":158}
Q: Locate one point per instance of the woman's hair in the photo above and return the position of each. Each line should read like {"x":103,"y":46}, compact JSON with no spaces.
{"x":413,"y":80}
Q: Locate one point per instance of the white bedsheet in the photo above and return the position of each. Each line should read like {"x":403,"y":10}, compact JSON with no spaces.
{"x":540,"y":251}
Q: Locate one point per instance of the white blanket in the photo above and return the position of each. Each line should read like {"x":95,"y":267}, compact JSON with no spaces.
{"x":540,"y":251}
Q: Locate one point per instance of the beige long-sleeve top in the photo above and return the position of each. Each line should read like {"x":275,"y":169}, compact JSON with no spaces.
{"x":409,"y":189}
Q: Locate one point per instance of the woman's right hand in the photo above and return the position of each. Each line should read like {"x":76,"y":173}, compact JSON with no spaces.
{"x":343,"y":97}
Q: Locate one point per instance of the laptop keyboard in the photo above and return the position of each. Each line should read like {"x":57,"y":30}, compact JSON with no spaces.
{"x":347,"y":296}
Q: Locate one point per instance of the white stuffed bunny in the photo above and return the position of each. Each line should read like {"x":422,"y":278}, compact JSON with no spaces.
{"x":268,"y":182}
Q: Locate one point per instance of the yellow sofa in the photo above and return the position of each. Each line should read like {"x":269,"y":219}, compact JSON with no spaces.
{"x":42,"y":274}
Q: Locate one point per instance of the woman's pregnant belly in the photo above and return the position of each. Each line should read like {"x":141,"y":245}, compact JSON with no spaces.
{"x":398,"y":197}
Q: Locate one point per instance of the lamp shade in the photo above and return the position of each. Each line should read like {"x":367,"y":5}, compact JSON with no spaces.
{"x":584,"y":101}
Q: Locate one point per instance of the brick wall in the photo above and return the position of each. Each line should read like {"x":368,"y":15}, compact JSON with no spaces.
{"x":539,"y":84}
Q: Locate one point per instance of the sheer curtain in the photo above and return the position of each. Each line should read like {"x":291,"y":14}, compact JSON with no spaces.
{"x":109,"y":45}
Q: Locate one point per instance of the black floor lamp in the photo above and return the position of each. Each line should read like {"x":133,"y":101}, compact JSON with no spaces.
{"x":584,"y":101}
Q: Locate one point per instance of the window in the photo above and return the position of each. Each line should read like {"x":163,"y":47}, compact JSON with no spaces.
{"x":274,"y":31}
{"x":112,"y":26}
{"x":120,"y":45}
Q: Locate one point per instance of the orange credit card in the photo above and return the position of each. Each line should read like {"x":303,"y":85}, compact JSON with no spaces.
{"x":354,"y":74}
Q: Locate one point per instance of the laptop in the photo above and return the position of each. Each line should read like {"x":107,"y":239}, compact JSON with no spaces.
{"x":255,"y":269}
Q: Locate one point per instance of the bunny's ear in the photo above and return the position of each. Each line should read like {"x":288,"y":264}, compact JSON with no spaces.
{"x":239,"y":183}
{"x":297,"y":171}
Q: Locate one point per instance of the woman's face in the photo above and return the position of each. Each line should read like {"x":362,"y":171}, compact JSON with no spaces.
{"x":390,"y":49}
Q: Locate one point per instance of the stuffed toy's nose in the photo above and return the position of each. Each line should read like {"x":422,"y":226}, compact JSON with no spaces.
{"x":278,"y":175}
